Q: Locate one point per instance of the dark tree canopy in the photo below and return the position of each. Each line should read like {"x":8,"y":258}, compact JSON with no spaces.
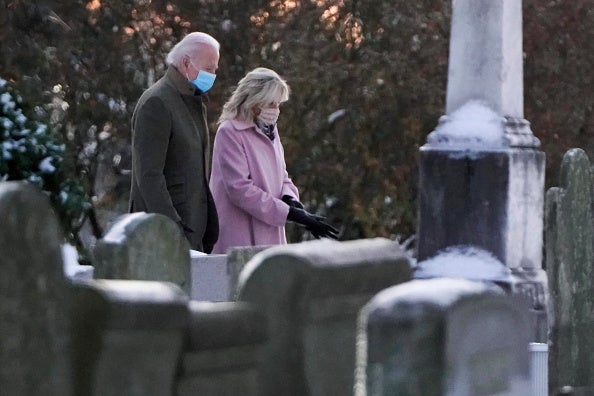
{"x":368,"y":84}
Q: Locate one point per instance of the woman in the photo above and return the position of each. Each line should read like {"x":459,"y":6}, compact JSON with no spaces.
{"x":252,"y":191}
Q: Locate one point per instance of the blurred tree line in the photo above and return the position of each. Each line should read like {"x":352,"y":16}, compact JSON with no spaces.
{"x":368,"y":84}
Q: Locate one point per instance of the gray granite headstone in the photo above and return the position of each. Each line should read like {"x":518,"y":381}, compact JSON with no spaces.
{"x":237,"y":258}
{"x":144,"y":246}
{"x":224,"y":350}
{"x":570,"y":270}
{"x":33,"y":296}
{"x":127,"y":337}
{"x":437,"y":337}
{"x":312,"y":293}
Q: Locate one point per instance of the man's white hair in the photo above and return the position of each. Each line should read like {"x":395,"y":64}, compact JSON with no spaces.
{"x":190,"y":46}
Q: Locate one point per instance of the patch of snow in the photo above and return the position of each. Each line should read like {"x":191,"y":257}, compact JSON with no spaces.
{"x":117,"y":233}
{"x":45,"y":166}
{"x":72,"y":269}
{"x":196,"y":254}
{"x":336,"y":115}
{"x":467,"y":262}
{"x":442,"y":291}
{"x":474,"y":125}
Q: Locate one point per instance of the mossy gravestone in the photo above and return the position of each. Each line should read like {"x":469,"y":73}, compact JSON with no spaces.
{"x":569,"y":264}
{"x":33,"y":294}
{"x":144,"y":246}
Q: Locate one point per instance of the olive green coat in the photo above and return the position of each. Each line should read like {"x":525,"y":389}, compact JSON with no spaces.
{"x":171,"y":158}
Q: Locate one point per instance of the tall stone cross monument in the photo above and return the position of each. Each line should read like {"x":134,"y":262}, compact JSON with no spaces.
{"x":482,"y":173}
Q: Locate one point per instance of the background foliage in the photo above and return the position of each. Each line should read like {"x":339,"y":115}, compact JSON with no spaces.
{"x":368,"y":81}
{"x":31,"y":151}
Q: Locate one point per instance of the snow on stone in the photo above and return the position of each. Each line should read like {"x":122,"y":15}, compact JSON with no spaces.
{"x":442,"y":291}
{"x":72,"y":269}
{"x":474,"y":125}
{"x":117,"y":233}
{"x":467,"y":262}
{"x":196,"y":253}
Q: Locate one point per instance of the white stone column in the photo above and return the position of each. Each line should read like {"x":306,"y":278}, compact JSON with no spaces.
{"x":481,"y":173}
{"x":486,"y":56}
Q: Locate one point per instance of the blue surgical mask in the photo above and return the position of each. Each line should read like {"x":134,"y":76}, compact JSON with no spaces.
{"x":204,"y":80}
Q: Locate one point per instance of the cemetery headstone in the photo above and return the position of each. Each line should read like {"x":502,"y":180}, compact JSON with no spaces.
{"x":224,"y":351}
{"x":34,"y":343}
{"x":311,"y":293}
{"x":237,"y":258}
{"x":570,"y":270}
{"x":127,"y":337}
{"x":436,"y":337}
{"x":144,"y":246}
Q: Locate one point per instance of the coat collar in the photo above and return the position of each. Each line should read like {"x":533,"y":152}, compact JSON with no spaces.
{"x":177,"y":80}
{"x":242,"y":125}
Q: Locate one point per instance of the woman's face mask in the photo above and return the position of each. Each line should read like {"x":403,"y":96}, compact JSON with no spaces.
{"x":269,"y":115}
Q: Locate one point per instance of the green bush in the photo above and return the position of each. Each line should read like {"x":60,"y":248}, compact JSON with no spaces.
{"x":31,"y":151}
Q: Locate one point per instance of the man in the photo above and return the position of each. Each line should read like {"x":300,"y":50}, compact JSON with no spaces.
{"x":171,"y":144}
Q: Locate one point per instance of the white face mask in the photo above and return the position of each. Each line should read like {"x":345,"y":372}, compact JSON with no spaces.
{"x":268,"y":115}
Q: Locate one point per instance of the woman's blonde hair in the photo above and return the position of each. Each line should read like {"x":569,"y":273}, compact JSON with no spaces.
{"x":259,"y":87}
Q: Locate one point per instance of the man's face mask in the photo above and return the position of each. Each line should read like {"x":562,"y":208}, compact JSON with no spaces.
{"x":204,"y":80}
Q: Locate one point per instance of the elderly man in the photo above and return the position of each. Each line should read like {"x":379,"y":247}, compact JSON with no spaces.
{"x":171,"y":146}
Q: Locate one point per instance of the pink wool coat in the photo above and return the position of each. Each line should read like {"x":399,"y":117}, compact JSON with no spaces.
{"x":248,"y":179}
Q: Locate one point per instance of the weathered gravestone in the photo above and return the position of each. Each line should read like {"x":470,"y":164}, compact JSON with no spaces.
{"x":570,"y":269}
{"x":34,"y":357}
{"x":144,"y":246}
{"x":311,"y":293}
{"x":127,"y":337}
{"x":437,"y":337}
{"x":237,"y":259}
{"x":224,"y":350}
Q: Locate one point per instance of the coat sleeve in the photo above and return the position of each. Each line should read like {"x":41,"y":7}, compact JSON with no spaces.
{"x":152,"y":127}
{"x":240,"y":189}
{"x":288,"y":187}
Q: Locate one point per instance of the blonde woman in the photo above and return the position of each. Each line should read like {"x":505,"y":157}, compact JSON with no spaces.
{"x":252,"y":190}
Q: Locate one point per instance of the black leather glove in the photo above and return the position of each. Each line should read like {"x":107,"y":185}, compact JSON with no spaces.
{"x":289,"y":200}
{"x":312,"y":223}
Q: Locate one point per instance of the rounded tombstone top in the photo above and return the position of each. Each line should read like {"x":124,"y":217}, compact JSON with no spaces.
{"x":144,"y":246}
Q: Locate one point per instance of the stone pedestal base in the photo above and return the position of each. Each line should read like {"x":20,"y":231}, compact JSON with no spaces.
{"x":490,"y":199}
